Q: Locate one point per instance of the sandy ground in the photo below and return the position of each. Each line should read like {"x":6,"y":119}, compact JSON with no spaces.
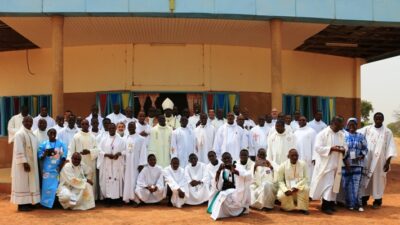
{"x":161,"y":214}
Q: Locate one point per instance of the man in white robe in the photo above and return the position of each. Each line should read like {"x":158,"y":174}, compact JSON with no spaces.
{"x":246,"y":140}
{"x":68,"y":132}
{"x":205,"y":134}
{"x":219,"y":120}
{"x":59,"y":124}
{"x":230,"y":138}
{"x":129,"y":116}
{"x":233,"y":183}
{"x":75,"y":189}
{"x":195,"y":118}
{"x":95,"y":114}
{"x":212,"y":168}
{"x":15,"y":123}
{"x":43,"y":115}
{"x":170,"y":119}
{"x":111,"y":166}
{"x":142,"y":127}
{"x":248,"y":123}
{"x":274,"y":116}
{"x":317,"y":124}
{"x":292,"y":179}
{"x":116,"y":116}
{"x":160,"y":142}
{"x":381,"y":149}
{"x":263,"y":190}
{"x":258,"y":137}
{"x":135,"y":159}
{"x":150,"y":183}
{"x":279,"y":143}
{"x":330,"y":147}
{"x":85,"y":143}
{"x":25,"y":191}
{"x":94,"y":127}
{"x":295,"y":122}
{"x":175,"y":180}
{"x":305,"y":138}
{"x":196,"y":179}
{"x":104,"y":133}
{"x":245,"y":161}
{"x":152,"y":117}
{"x":41,"y":132}
{"x":183,"y":142}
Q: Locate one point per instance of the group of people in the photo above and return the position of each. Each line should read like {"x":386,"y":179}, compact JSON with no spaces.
{"x":231,"y":163}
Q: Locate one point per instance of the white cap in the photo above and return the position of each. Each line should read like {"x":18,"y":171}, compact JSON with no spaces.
{"x":167,"y":104}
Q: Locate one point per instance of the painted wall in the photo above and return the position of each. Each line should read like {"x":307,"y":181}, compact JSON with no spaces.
{"x":175,"y":68}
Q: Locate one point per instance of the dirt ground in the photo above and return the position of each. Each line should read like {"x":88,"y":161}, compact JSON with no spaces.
{"x":161,"y":214}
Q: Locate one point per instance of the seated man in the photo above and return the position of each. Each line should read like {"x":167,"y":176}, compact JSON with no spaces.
{"x":212,"y":168}
{"x":52,"y":154}
{"x":75,"y":190}
{"x":233,"y":199}
{"x":150,"y":183}
{"x":176,"y":184}
{"x":293,"y":184}
{"x":245,"y":161}
{"x":263,"y":190}
{"x":196,"y":179}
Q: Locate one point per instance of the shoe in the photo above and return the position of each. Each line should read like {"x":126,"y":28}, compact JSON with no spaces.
{"x":305,"y":212}
{"x":361,"y":209}
{"x":351,"y":209}
{"x":376,"y":206}
{"x":24,"y":208}
{"x":328,"y":211}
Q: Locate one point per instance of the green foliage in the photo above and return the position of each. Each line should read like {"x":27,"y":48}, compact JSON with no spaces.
{"x":366,"y":109}
{"x":395,"y":128}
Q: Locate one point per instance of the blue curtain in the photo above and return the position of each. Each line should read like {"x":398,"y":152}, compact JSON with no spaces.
{"x":220,"y":100}
{"x":307,"y":106}
{"x":10,"y":105}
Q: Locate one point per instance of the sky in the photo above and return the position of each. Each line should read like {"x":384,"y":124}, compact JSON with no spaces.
{"x":380,"y":84}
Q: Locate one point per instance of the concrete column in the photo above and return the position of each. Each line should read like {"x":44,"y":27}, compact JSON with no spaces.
{"x":357,"y":87}
{"x":276,"y":64}
{"x":58,"y":65}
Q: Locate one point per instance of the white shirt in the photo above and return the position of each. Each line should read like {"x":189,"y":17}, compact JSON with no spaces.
{"x":50,"y":121}
{"x":318,"y":126}
{"x":116,"y":118}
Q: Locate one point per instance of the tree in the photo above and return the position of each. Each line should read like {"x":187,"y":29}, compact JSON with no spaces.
{"x":366,"y":109}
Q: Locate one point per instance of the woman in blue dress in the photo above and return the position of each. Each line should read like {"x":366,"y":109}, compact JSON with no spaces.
{"x":53,"y":154}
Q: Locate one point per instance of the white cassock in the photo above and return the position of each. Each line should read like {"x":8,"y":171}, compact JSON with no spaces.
{"x":182,"y":144}
{"x":305,"y":138}
{"x":116,"y":118}
{"x":200,"y":193}
{"x":128,"y":120}
{"x":25,"y":186}
{"x":258,"y":139}
{"x":318,"y":126}
{"x":173,"y":122}
{"x":279,"y":146}
{"x":288,"y":128}
{"x":293,"y":176}
{"x":66,"y":135}
{"x":204,"y":141}
{"x":294,"y":125}
{"x":263,"y":190}
{"x":96,"y":134}
{"x":50,"y":121}
{"x":57,"y":128}
{"x":152,"y":121}
{"x":148,"y":177}
{"x":74,"y":192}
{"x":247,"y":140}
{"x":41,"y":136}
{"x":211,"y":173}
{"x":146,"y":128}
{"x":234,"y":201}
{"x":193,"y":121}
{"x":249,"y":166}
{"x":249,"y":124}
{"x":160,"y":144}
{"x":99,"y":118}
{"x":101,"y":135}
{"x":230,"y":138}
{"x":328,"y":165}
{"x":175,"y":179}
{"x":80,"y":141}
{"x":217,"y":123}
{"x":111,"y":171}
{"x":14,"y":124}
{"x":135,"y":156}
{"x":381,"y":146}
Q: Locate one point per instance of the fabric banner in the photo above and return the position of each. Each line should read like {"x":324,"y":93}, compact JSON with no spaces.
{"x":224,"y":101}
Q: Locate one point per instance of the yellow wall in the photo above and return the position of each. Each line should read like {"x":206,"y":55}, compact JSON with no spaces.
{"x":175,"y":68}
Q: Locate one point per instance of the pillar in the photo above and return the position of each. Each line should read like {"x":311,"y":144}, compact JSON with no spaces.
{"x":357,"y":87}
{"x":58,"y":65}
{"x":276,"y":64}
